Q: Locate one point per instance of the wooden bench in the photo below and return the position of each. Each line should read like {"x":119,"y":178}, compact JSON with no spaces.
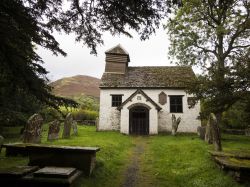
{"x":82,"y":158}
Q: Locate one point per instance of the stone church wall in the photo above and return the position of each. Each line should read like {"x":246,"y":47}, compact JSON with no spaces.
{"x":110,"y":116}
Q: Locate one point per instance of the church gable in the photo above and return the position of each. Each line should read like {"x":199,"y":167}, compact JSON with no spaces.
{"x":138,"y":94}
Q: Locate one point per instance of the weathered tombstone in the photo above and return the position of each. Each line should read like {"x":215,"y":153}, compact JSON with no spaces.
{"x":175,"y":124}
{"x":67,"y":125}
{"x":213,"y":132}
{"x":1,"y":142}
{"x":97,"y":124}
{"x":201,"y":132}
{"x":247,"y":131}
{"x":74,"y":127}
{"x":208,"y":134}
{"x":54,"y":128}
{"x":33,"y":129}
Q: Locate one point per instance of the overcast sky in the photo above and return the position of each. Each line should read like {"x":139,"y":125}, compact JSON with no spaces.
{"x":79,"y":61}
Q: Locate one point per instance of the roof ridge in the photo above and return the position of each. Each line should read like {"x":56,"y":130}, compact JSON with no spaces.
{"x":156,"y":66}
{"x":120,"y":46}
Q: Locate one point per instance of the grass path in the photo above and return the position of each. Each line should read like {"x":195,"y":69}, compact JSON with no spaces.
{"x":132,"y":172}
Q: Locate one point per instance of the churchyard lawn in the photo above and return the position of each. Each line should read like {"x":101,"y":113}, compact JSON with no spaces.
{"x":161,"y":160}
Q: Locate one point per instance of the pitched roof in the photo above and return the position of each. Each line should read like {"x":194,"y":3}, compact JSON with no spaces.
{"x":139,"y":91}
{"x":118,"y":49}
{"x":149,"y":77}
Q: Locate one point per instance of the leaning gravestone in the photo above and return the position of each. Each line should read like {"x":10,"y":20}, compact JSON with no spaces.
{"x":54,"y":128}
{"x":67,"y":125}
{"x":175,"y":124}
{"x":74,"y":127}
{"x":1,"y":142}
{"x":247,"y":131}
{"x":97,"y":124}
{"x":201,"y":132}
{"x":33,"y":129}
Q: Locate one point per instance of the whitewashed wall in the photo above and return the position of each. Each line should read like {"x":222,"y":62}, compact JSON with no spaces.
{"x":110,"y":116}
{"x":153,"y":114}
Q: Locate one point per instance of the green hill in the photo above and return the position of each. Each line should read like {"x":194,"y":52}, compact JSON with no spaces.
{"x":83,"y":89}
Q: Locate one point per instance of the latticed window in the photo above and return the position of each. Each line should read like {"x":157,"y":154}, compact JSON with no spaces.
{"x":116,"y":100}
{"x":176,"y":104}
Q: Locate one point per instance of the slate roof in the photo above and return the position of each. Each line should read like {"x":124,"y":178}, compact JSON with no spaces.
{"x":149,"y":77}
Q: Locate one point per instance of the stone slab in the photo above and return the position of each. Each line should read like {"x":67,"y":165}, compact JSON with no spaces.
{"x":239,"y":155}
{"x":233,"y":163}
{"x":34,"y":181}
{"x":63,"y":148}
{"x":17,"y":171}
{"x":15,"y":149}
{"x":55,"y":172}
{"x":82,"y":158}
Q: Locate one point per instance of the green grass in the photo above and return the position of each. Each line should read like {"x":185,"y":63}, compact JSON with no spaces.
{"x":110,"y":160}
{"x":183,"y":161}
{"x":167,"y":161}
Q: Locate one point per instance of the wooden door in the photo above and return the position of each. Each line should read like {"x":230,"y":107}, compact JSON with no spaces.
{"x":139,"y":120}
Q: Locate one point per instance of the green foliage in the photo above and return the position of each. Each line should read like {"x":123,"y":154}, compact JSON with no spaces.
{"x":88,"y":102}
{"x":214,"y":36}
{"x":27,"y":23}
{"x":238,"y":116}
{"x":82,"y":114}
{"x":50,"y":114}
{"x":23,"y":80}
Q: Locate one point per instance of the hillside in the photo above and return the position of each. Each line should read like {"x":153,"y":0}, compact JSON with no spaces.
{"x":77,"y":86}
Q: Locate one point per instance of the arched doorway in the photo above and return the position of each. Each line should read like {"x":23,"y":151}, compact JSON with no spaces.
{"x":139,"y":120}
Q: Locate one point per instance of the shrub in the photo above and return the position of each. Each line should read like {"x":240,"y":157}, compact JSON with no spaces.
{"x":50,"y":114}
{"x":82,"y":114}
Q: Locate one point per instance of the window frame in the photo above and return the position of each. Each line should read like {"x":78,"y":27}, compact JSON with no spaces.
{"x":176,"y":105}
{"x":116,"y":100}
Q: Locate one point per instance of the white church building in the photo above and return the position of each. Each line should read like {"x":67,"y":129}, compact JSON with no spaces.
{"x":141,"y":100}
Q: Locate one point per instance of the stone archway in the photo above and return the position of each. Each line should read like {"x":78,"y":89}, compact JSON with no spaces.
{"x":139,"y":120}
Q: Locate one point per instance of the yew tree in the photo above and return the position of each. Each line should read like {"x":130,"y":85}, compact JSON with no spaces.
{"x":214,"y":35}
{"x":25,"y":24}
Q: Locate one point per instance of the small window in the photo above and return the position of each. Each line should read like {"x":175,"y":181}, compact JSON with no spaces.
{"x":176,"y":104}
{"x":116,"y":100}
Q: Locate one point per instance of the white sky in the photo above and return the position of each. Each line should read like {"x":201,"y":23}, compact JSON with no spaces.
{"x":79,"y":61}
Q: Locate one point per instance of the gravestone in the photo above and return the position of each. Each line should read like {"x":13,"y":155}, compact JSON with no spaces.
{"x":1,"y":142}
{"x":97,"y":124}
{"x":33,"y":129}
{"x":54,"y":128}
{"x":247,"y":131}
{"x":201,"y":132}
{"x":74,"y":127}
{"x":213,"y":132}
{"x":67,"y":126}
{"x":175,"y":124}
